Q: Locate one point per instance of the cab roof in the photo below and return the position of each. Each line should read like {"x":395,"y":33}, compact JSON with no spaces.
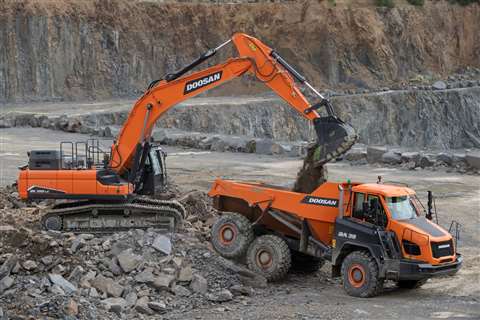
{"x":386,"y":190}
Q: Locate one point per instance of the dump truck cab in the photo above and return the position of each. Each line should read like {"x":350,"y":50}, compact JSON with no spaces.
{"x":388,"y":222}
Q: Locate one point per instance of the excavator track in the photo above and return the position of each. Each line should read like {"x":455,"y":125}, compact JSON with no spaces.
{"x":98,"y":217}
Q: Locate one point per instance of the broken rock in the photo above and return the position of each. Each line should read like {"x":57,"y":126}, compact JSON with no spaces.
{"x":6,"y":283}
{"x":163,"y":244}
{"x":157,"y":306}
{"x":8,"y":265}
{"x":71,"y":308}
{"x":29,"y":265}
{"x":185,"y":274}
{"x":108,"y":286}
{"x":181,"y":291}
{"x":128,"y":260}
{"x":145,"y":276}
{"x":114,"y":304}
{"x":142,"y":306}
{"x":60,"y":281}
{"x":163,"y":281}
{"x":199,"y":284}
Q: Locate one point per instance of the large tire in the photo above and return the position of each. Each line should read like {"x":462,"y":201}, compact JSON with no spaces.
{"x":302,"y":263}
{"x":411,"y":284}
{"x":231,"y":234}
{"x":269,"y":256}
{"x":360,"y":275}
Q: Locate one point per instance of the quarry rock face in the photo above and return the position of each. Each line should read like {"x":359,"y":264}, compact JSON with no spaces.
{"x":99,"y":49}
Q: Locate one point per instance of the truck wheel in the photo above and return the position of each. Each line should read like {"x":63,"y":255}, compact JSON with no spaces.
{"x":269,"y":256}
{"x":411,"y":284}
{"x":303,"y":263}
{"x":360,"y":275}
{"x":231,"y":235}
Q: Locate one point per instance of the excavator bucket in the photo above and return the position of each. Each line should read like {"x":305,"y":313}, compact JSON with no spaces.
{"x":335,"y":138}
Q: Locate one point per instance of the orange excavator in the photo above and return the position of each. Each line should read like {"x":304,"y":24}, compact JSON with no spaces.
{"x":109,"y":188}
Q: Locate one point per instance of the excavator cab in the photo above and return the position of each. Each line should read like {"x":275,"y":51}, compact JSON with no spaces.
{"x":154,"y":179}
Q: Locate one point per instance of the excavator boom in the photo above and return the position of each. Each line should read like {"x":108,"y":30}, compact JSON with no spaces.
{"x":334,"y":136}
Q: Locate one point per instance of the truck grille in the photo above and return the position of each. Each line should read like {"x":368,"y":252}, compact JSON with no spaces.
{"x":442,"y":249}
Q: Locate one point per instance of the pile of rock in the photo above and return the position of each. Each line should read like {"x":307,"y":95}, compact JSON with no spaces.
{"x":130,"y":273}
{"x":464,"y":162}
{"x":139,"y":273}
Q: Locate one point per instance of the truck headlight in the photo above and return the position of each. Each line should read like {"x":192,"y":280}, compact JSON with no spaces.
{"x":411,"y":248}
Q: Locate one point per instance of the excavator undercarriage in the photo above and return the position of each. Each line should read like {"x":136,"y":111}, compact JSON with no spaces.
{"x":92,"y":216}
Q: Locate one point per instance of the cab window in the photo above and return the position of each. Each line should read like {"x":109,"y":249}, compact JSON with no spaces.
{"x":358,"y":205}
{"x":382,"y":217}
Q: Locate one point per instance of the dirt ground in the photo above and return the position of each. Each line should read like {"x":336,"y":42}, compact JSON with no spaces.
{"x":315,"y":296}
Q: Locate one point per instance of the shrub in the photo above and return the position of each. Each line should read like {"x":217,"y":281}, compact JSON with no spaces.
{"x":416,"y":2}
{"x":385,"y":3}
{"x":466,"y":2}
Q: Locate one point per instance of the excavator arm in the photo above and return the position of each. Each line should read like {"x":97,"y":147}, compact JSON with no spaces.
{"x":128,"y":151}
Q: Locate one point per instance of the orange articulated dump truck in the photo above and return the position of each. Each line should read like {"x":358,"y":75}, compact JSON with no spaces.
{"x":369,"y":232}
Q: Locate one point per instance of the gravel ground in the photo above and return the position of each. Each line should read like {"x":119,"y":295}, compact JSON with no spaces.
{"x":300,"y":296}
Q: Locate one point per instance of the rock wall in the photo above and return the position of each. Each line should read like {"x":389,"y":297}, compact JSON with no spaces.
{"x":95,"y":49}
{"x":433,"y":119}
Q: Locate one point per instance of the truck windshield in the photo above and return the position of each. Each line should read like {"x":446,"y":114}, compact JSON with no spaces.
{"x":401,"y":208}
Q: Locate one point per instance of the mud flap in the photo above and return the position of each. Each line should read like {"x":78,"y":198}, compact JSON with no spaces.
{"x":334,"y":138}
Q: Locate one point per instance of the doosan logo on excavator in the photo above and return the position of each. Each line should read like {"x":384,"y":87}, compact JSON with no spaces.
{"x":199,"y":83}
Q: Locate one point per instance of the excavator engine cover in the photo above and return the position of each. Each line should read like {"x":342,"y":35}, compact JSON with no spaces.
{"x":335,"y":137}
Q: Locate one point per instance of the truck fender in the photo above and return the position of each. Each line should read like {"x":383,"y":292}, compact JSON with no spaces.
{"x":347,"y":247}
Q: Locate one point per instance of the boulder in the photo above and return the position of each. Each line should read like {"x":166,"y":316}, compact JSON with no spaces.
{"x":356,"y":155}
{"x":426,"y":161}
{"x":473,"y":159}
{"x":411,"y":157}
{"x":446,"y":158}
{"x":375,"y":153}
{"x":391,"y":157}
